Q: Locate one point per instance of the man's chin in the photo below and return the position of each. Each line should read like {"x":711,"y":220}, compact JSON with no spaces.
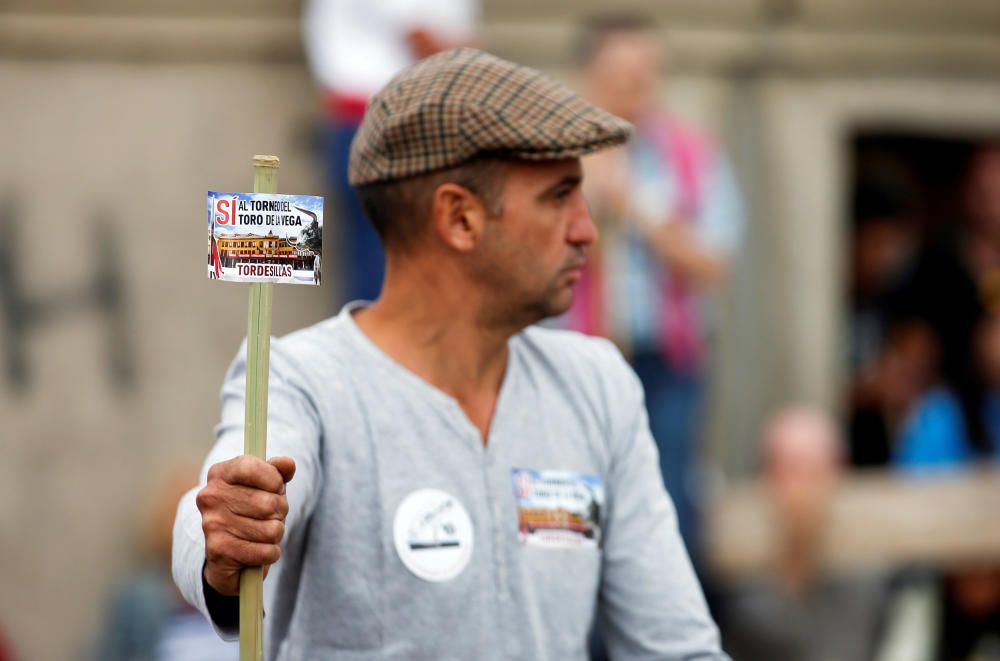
{"x":558,"y":304}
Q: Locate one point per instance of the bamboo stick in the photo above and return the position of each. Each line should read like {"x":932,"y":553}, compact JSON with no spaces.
{"x":265,"y":180}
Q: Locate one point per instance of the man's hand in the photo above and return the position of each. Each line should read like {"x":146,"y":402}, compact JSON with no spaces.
{"x":605,"y":185}
{"x":675,"y":244}
{"x":243,"y":509}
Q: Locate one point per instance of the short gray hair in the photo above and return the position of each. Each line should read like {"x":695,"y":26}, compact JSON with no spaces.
{"x":399,"y":208}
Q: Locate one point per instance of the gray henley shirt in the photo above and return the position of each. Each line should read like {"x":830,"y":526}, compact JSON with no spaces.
{"x":366,"y":433}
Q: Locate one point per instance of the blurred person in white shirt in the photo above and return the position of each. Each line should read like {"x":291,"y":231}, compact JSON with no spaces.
{"x":354,"y":47}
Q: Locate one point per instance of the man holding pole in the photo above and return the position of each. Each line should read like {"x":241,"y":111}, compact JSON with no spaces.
{"x":467,"y":485}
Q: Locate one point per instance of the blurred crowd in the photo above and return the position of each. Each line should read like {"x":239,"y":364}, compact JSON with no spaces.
{"x":925,"y":320}
{"x":924,"y":343}
{"x":922,"y":346}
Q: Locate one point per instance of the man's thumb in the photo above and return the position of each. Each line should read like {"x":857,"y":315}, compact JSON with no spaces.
{"x":285,"y":466}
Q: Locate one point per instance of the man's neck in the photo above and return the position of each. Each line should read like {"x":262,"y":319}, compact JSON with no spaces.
{"x":435,"y":331}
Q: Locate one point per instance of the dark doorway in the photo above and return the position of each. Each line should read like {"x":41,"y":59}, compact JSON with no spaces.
{"x":924,"y":268}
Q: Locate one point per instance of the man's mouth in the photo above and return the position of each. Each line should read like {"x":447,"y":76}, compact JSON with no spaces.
{"x":575,"y":265}
{"x":574,"y":271}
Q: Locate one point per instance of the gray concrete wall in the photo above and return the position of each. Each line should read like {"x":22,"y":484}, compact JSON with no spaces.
{"x":137,"y":146}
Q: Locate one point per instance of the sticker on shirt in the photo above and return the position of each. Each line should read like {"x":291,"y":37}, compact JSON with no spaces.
{"x":433,"y":534}
{"x":558,"y":509}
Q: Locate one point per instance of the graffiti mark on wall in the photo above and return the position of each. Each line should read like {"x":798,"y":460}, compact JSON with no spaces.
{"x":23,"y":312}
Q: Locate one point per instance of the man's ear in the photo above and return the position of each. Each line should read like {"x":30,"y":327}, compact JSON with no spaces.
{"x":458,"y":216}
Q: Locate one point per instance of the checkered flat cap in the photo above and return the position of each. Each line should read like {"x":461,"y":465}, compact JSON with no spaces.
{"x":461,"y":103}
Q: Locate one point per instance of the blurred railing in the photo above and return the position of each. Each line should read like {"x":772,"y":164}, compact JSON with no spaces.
{"x":877,"y":520}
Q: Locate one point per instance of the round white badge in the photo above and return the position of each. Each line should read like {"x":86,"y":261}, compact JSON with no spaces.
{"x":433,"y":534}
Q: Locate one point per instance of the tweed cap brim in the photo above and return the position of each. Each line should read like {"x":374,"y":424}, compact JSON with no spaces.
{"x":462,"y":103}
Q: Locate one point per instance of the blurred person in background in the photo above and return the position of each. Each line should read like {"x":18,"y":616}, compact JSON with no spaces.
{"x":893,"y":392}
{"x":6,"y":653}
{"x":799,"y":612}
{"x":670,"y":217}
{"x":884,"y":245}
{"x":969,"y":622}
{"x":148,"y":618}
{"x":937,"y":435}
{"x":353,"y":48}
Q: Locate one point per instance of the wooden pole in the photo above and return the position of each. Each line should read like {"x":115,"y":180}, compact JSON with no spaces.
{"x":265,"y":180}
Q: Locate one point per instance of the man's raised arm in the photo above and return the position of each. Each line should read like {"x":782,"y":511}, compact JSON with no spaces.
{"x":246,"y":510}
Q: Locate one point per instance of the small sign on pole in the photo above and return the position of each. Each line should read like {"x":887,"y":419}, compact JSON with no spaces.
{"x":264,"y":237}
{"x":261,"y":238}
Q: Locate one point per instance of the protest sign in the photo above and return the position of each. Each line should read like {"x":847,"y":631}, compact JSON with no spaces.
{"x":265,"y":237}
{"x":261,"y":238}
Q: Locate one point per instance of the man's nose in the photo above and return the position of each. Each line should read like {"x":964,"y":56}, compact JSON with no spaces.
{"x":582,"y":230}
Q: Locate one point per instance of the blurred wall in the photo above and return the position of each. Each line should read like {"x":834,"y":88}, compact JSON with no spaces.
{"x":123,"y":122}
{"x":120,"y":116}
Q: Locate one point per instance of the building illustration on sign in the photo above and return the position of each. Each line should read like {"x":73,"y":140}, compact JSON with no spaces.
{"x":558,"y":508}
{"x":265,"y":237}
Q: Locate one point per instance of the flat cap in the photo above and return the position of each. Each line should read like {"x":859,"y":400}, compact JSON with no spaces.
{"x":461,"y":103}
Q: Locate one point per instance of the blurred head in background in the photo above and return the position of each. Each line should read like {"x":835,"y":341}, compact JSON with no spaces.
{"x":908,"y":366}
{"x":802,"y":466}
{"x":161,"y":510}
{"x":799,"y":611}
{"x":884,"y":239}
{"x":982,"y":192}
{"x":622,"y":65}
{"x":146,"y":616}
{"x":988,"y":349}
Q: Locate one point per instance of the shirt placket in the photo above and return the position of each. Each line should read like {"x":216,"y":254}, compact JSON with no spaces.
{"x":497,"y":490}
{"x":496,"y":480}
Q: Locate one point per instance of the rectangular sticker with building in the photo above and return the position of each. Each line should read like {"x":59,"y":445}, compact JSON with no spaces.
{"x":558,"y":509}
{"x":265,"y":237}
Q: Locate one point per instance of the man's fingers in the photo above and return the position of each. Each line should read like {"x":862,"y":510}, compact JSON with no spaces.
{"x":285,"y":466}
{"x":227,"y":499}
{"x":249,"y":471}
{"x":243,"y":509}
{"x":256,"y":504}
{"x":232,"y":553}
{"x":223,"y":525}
{"x":260,"y":532}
